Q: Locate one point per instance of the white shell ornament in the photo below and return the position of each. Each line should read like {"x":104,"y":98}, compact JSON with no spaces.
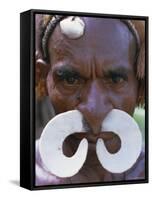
{"x":72,"y":27}
{"x":51,"y":141}
{"x":67,"y":123}
{"x":128,"y":131}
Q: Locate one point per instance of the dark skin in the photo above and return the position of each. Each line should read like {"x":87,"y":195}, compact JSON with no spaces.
{"x":93,"y":74}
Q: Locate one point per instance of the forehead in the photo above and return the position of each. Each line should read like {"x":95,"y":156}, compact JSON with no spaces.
{"x":104,"y":40}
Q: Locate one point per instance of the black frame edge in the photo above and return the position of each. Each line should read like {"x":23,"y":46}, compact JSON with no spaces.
{"x":91,"y":14}
{"x":25,"y":99}
{"x":147,"y":98}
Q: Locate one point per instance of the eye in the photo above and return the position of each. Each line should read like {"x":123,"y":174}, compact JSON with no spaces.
{"x":117,"y":79}
{"x":71,"y":80}
{"x":68,"y":77}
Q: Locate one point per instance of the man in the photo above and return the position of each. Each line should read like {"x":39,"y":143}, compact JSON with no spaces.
{"x":100,"y":70}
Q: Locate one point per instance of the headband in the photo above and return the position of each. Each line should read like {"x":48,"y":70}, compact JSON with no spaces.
{"x":56,"y":19}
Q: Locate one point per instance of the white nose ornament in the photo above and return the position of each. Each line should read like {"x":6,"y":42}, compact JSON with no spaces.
{"x":72,"y":27}
{"x":65,"y":124}
{"x":51,"y":141}
{"x":128,"y":131}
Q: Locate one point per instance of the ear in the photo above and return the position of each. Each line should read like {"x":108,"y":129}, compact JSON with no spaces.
{"x":41,"y":71}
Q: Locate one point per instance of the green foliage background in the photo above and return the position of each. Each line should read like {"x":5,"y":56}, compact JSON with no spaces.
{"x":139,"y":116}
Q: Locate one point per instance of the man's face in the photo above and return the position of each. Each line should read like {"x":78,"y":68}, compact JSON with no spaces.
{"x":94,"y":73}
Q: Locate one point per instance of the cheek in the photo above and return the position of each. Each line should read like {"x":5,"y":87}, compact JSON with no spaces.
{"x":60,"y":101}
{"x":127,"y":104}
{"x":127,"y":100}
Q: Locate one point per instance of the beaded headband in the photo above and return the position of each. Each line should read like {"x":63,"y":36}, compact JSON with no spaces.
{"x":58,"y":18}
{"x":48,"y":31}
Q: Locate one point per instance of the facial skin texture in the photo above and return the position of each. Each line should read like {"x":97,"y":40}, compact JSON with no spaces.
{"x":93,"y":74}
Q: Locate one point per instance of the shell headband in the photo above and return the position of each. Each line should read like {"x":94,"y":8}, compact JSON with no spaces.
{"x":73,"y":27}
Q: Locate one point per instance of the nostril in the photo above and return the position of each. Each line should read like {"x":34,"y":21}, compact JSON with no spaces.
{"x":86,"y":126}
{"x":96,"y":128}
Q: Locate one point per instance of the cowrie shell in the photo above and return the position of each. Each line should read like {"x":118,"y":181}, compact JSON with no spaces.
{"x":72,"y":27}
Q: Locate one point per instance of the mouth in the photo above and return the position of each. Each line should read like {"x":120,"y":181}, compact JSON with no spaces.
{"x":92,"y":138}
{"x":111,"y":141}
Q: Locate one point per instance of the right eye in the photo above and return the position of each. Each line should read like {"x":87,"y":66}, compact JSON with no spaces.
{"x":71,"y":81}
{"x":68,"y":77}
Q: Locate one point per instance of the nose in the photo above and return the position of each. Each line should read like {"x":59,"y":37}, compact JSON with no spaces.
{"x":94,"y":105}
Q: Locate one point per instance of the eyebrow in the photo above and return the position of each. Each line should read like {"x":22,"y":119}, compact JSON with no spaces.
{"x":118,"y":71}
{"x":66,"y":70}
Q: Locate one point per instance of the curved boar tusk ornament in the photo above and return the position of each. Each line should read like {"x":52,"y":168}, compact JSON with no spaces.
{"x":72,"y":27}
{"x":51,"y":141}
{"x":127,"y":129}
